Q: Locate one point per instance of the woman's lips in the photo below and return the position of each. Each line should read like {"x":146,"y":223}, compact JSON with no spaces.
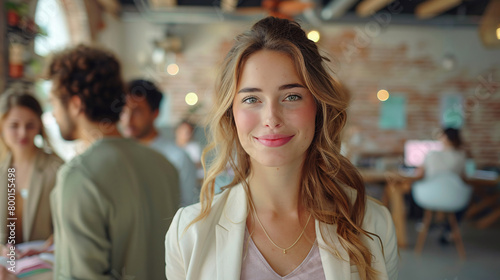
{"x":274,"y":140}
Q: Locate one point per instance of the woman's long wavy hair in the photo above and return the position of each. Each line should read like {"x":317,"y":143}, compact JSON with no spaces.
{"x":324,"y":169}
{"x":13,"y":98}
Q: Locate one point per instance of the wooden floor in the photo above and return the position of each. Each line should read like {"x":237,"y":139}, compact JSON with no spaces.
{"x":442,"y":262}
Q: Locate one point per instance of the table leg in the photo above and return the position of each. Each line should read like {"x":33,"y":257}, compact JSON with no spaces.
{"x":483,"y":204}
{"x":489,"y":219}
{"x":395,"y":193}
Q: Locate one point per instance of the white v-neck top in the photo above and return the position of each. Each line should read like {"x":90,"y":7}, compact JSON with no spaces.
{"x":254,"y":265}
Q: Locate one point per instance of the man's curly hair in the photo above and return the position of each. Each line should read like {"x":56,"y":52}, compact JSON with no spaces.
{"x":94,"y":75}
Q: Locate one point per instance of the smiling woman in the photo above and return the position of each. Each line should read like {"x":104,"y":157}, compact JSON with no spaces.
{"x":296,"y":207}
{"x":273,"y":110}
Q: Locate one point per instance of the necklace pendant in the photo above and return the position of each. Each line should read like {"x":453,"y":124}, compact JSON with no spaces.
{"x":284,"y":251}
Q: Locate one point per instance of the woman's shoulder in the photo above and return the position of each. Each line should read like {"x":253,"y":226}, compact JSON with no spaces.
{"x":186,"y":215}
{"x":376,"y":214}
{"x":447,"y":153}
{"x":48,"y":161}
{"x":376,"y":211}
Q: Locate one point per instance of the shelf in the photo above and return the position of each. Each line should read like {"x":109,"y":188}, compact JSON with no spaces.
{"x":20,"y":80}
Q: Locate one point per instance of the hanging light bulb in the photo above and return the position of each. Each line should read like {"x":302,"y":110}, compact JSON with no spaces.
{"x":383,"y":95}
{"x":191,"y":98}
{"x":313,"y":35}
{"x":173,"y":69}
{"x":158,"y":56}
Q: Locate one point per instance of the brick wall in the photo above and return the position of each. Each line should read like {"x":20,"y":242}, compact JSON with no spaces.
{"x":409,"y":62}
{"x":405,"y":60}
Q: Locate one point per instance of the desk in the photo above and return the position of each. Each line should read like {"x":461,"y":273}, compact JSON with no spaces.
{"x":397,"y":185}
{"x":488,"y":198}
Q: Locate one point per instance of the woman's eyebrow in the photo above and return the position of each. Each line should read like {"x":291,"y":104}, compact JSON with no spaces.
{"x":247,"y":89}
{"x":283,"y":87}
{"x":289,"y":86}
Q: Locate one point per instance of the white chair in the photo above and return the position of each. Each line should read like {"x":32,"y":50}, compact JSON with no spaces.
{"x":445,"y":193}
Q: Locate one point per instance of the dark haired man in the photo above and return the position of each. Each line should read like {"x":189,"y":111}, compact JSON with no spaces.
{"x":112,"y":204}
{"x":137,"y":120}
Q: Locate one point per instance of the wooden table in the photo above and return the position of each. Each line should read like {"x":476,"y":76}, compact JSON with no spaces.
{"x":397,"y":185}
{"x":488,"y":197}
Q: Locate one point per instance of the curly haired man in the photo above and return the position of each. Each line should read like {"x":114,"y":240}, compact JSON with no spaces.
{"x":113,"y":203}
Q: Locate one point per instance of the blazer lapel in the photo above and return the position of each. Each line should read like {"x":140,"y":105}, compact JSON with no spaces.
{"x":35,"y":190}
{"x":230,"y":233}
{"x":334,"y":267}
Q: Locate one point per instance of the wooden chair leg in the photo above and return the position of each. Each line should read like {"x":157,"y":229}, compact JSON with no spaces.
{"x":489,"y":219}
{"x":485,"y":203}
{"x":457,"y":237}
{"x":423,"y":234}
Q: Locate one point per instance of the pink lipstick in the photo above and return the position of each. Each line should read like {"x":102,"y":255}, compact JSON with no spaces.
{"x":274,"y":140}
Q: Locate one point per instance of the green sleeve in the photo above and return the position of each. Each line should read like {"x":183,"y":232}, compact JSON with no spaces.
{"x":82,"y":244}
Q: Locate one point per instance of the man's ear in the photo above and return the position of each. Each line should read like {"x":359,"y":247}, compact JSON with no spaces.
{"x":156,"y":113}
{"x":75,"y":105}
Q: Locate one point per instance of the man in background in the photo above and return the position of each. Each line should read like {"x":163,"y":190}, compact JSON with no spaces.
{"x":137,"y":121}
{"x":112,"y":204}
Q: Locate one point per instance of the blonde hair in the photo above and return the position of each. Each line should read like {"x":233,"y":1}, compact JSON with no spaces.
{"x":14,"y":98}
{"x":325,"y":169}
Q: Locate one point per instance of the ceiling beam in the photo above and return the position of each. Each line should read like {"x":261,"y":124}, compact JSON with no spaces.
{"x":336,"y":8}
{"x":432,"y":8}
{"x":369,"y":7}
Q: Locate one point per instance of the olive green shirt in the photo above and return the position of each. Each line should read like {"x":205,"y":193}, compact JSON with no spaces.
{"x":111,"y":207}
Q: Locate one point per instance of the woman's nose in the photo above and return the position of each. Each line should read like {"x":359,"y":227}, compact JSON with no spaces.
{"x":273,"y":116}
{"x":22,"y":131}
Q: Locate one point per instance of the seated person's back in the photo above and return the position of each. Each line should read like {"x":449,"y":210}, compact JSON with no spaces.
{"x":439,"y":162}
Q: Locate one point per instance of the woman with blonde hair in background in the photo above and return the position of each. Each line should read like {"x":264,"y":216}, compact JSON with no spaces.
{"x":27,"y":173}
{"x":297,"y":208}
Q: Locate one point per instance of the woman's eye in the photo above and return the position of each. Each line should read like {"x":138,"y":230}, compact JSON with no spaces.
{"x":293,"y":97}
{"x":250,"y":100}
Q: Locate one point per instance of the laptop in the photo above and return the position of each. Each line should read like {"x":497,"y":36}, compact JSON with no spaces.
{"x":415,"y":152}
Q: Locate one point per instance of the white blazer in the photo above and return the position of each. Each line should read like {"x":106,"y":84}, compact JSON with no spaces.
{"x":213,"y":247}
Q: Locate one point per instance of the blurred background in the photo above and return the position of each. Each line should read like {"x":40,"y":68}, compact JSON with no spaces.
{"x":412,"y":67}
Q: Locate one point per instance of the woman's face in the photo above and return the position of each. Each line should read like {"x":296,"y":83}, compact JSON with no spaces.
{"x":273,"y":110}
{"x":20,"y":127}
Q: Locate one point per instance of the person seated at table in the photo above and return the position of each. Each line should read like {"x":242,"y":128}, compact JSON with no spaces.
{"x":27,"y":173}
{"x":450,"y":160}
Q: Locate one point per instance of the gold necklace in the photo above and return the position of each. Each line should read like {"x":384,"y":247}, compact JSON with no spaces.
{"x":268,"y":237}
